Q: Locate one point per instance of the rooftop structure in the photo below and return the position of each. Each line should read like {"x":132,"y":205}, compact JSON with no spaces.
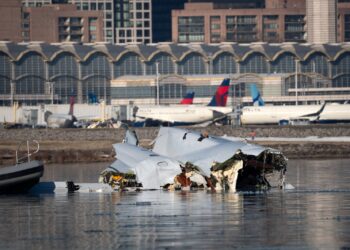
{"x":233,"y":4}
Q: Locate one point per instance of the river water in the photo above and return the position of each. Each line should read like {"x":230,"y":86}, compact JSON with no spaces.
{"x":315,"y":215}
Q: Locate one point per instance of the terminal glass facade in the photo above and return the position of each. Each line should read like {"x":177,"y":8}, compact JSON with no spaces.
{"x":51,"y":73}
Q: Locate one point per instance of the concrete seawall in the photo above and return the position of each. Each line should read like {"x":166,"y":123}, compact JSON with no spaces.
{"x":95,"y":145}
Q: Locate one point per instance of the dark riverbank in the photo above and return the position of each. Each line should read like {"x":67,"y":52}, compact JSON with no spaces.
{"x":95,"y":145}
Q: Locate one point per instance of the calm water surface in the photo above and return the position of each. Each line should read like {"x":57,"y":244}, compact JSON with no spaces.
{"x":315,"y":215}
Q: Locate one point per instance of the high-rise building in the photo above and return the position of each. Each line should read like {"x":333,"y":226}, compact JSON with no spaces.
{"x":125,"y":21}
{"x":279,"y":21}
{"x":10,"y":20}
{"x":62,"y":23}
{"x":321,"y":21}
{"x":86,"y":5}
{"x":133,"y":21}
{"x":106,"y":6}
{"x":343,"y":20}
{"x":274,"y":21}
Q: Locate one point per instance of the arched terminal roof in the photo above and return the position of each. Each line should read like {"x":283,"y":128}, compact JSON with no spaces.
{"x":179,"y":51}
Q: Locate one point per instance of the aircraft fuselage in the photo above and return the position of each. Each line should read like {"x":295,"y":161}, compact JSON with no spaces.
{"x":332,"y":113}
{"x":182,"y":114}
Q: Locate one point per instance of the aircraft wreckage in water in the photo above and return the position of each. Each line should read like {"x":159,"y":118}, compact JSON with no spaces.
{"x":184,"y":159}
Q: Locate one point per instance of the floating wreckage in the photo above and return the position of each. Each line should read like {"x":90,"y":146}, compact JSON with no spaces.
{"x":184,"y":159}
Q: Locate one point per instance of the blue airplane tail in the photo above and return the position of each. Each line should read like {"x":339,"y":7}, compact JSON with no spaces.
{"x":220,"y":96}
{"x":256,"y":95}
{"x":92,"y":98}
{"x":188,"y":99}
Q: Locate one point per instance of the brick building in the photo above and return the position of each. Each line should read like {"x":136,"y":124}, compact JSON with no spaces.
{"x":273,"y":21}
{"x":10,"y":20}
{"x":343,"y":26}
{"x":61,"y":23}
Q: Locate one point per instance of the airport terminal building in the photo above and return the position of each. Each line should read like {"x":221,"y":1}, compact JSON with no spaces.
{"x":41,"y":73}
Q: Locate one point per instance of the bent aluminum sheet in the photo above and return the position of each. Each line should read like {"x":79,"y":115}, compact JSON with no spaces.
{"x":152,"y":170}
{"x":184,"y":145}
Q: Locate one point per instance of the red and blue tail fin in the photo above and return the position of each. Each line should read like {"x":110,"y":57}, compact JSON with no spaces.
{"x":220,"y":97}
{"x":71,"y":106}
{"x":188,"y":99}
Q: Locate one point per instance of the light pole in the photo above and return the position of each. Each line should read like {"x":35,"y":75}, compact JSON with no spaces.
{"x":157,"y":81}
{"x":52,"y":91}
{"x":210,"y":71}
{"x":296,"y":82}
{"x":105,"y":92}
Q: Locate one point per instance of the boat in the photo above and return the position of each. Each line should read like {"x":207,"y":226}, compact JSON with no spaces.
{"x":23,"y":175}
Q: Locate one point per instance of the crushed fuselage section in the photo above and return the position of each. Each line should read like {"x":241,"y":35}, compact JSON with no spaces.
{"x":180,"y":160}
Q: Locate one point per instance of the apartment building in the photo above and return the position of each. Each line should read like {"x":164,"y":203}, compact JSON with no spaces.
{"x":124,"y":21}
{"x":10,"y":20}
{"x":106,"y":7}
{"x":62,"y":23}
{"x":209,"y":23}
{"x":274,"y":21}
{"x":343,"y":27}
{"x":133,"y":21}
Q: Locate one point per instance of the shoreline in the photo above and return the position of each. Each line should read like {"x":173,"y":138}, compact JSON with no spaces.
{"x":95,"y":145}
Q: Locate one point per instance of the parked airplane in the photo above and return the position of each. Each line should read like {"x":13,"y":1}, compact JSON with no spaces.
{"x":255,"y":93}
{"x":61,"y":120}
{"x":326,"y":113}
{"x":186,"y":114}
{"x":301,"y":114}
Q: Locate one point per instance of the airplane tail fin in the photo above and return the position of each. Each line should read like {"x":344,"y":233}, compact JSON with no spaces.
{"x":255,"y":93}
{"x":131,"y":137}
{"x":220,"y":97}
{"x":92,"y":98}
{"x":188,"y":99}
{"x":71,"y":102}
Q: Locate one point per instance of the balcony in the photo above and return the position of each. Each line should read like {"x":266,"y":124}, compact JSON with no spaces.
{"x":76,"y":32}
{"x":76,"y":24}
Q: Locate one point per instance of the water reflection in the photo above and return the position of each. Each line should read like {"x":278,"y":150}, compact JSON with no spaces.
{"x":314,"y":215}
